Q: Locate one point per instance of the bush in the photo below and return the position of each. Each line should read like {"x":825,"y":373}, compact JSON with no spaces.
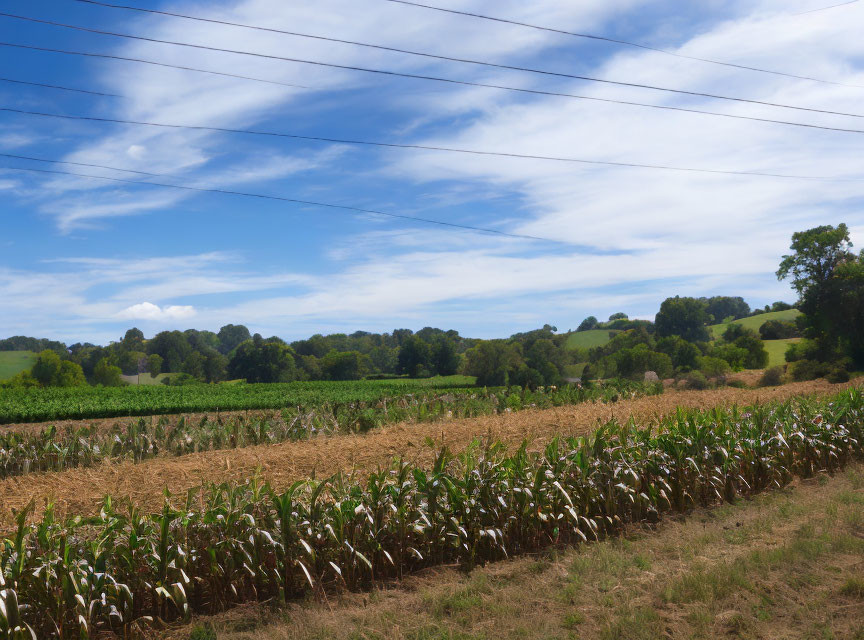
{"x":778,"y":330}
{"x":697,"y":380}
{"x":837,"y":374}
{"x":713,"y":367}
{"x":801,"y":370}
{"x":772,"y":377}
{"x":736,"y":383}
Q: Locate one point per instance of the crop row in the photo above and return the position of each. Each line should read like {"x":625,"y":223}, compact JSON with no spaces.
{"x":69,"y":403}
{"x":142,"y":439}
{"x":227,"y":544}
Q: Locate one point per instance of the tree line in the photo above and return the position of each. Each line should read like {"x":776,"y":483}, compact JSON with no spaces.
{"x":826,"y":274}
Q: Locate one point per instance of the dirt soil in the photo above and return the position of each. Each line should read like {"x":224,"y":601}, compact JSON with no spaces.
{"x":80,"y":491}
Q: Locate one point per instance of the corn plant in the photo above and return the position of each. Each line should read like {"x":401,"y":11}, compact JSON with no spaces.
{"x":221,"y":545}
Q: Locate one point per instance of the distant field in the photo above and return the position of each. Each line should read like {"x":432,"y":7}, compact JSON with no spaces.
{"x":588,"y":339}
{"x":13,"y":362}
{"x":777,"y":350}
{"x":754,"y":322}
{"x":146,"y":378}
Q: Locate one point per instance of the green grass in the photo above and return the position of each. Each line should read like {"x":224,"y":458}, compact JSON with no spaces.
{"x":13,"y":362}
{"x":588,"y":339}
{"x":146,"y":378}
{"x":777,"y":350}
{"x":754,"y":322}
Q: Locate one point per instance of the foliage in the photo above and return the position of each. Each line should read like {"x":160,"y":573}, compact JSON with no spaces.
{"x":697,"y":380}
{"x":154,"y":364}
{"x":722,"y":308}
{"x":344,"y":365}
{"x":415,"y":356}
{"x":50,"y":371}
{"x":801,"y":370}
{"x":107,"y":374}
{"x":685,"y":317}
{"x":778,"y":330}
{"x":258,"y":360}
{"x":588,"y":324}
{"x":493,"y":361}
{"x":226,"y":544}
{"x":772,"y":377}
{"x":713,"y":367}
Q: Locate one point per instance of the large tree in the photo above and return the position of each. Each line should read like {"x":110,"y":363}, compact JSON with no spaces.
{"x":829,"y":279}
{"x":685,"y":317}
{"x":257,"y":360}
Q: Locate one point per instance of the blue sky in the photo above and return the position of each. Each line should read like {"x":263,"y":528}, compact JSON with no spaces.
{"x":85,"y":259}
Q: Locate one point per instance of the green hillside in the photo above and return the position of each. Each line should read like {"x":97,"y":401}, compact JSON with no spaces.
{"x":588,"y":339}
{"x":12,"y":362}
{"x":777,"y":350}
{"x":754,"y":322}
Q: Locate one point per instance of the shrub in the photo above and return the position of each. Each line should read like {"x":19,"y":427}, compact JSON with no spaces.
{"x":713,"y":367}
{"x":801,"y":370}
{"x":772,"y":377}
{"x":697,"y":380}
{"x":837,"y":374}
{"x":778,"y":330}
{"x":736,"y":383}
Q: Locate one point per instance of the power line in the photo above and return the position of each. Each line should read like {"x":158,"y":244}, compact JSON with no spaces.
{"x":626,"y":42}
{"x":394,"y":145}
{"x":556,"y":94}
{"x":150,"y":62}
{"x":291,"y":200}
{"x":833,"y":6}
{"x":54,"y":86}
{"x":77,"y":164}
{"x":429,"y":55}
{"x":424,"y":77}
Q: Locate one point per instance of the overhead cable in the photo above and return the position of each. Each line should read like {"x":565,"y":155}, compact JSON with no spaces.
{"x":395,"y":145}
{"x":291,"y":200}
{"x":425,"y":77}
{"x":626,"y":42}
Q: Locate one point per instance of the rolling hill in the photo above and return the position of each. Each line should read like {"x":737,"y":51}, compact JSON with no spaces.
{"x":754,"y":322}
{"x":13,"y":362}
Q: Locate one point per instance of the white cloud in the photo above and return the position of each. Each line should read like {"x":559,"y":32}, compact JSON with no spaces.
{"x":150,"y":311}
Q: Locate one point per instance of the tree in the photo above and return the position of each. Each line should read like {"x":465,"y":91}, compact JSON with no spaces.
{"x":493,"y":361}
{"x":618,"y":316}
{"x":107,"y":374}
{"x":231,"y":336}
{"x":685,"y":355}
{"x":816,"y":253}
{"x":588,"y":323}
{"x":194,"y":365}
{"x":444,"y":359}
{"x":723,"y":307}
{"x":173,"y":347}
{"x":154,"y":364}
{"x":778,"y":330}
{"x":344,"y":365}
{"x":685,"y":317}
{"x":50,"y":370}
{"x":415,"y":358}
{"x":46,"y":369}
{"x":829,"y":280}
{"x":133,"y":340}
{"x":259,"y":361}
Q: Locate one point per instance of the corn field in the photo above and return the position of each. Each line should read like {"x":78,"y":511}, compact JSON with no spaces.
{"x":53,"y":450}
{"x":222,"y":545}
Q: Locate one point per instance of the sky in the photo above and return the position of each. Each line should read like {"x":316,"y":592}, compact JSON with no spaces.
{"x":83,"y":259}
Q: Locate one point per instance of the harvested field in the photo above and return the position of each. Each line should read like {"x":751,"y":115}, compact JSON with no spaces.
{"x":79,"y":491}
{"x":787,"y":564}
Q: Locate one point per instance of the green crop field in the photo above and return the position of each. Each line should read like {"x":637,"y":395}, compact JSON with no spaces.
{"x":754,"y":322}
{"x":58,"y":403}
{"x":588,"y":339}
{"x":13,"y":362}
